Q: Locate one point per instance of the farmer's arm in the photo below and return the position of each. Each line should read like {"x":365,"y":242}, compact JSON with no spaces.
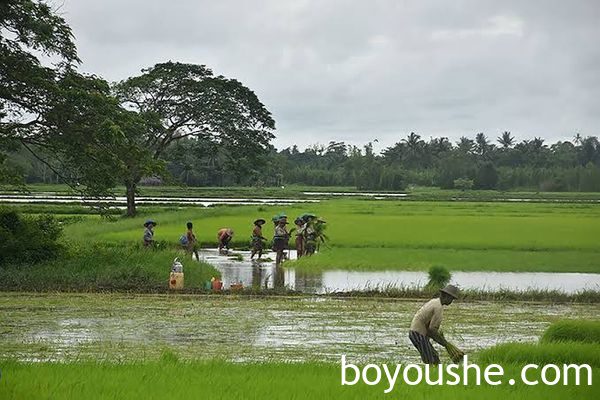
{"x":433,"y":331}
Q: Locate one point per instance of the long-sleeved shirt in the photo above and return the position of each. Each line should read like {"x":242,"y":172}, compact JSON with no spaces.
{"x":281,"y":232}
{"x":428,"y":318}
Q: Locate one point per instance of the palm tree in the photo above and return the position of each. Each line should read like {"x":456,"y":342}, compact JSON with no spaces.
{"x":482,"y":144}
{"x":412,"y":140}
{"x":465,"y":145}
{"x":506,"y":140}
{"x":414,"y":146}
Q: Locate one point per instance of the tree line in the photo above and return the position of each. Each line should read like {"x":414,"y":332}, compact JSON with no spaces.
{"x":474,"y":162}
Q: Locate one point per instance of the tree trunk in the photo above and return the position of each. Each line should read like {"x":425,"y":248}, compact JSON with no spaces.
{"x":131,"y":186}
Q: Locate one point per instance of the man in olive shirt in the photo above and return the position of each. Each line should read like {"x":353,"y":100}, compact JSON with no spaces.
{"x":426,"y":324}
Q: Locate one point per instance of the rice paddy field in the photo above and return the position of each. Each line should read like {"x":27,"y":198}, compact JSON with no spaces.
{"x":98,"y":322}
{"x":177,"y":346}
{"x":393,"y":234}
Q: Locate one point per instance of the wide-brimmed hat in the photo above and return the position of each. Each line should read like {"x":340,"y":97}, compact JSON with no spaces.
{"x":450,"y":290}
{"x":308,"y":216}
{"x":150,"y":221}
{"x":259,"y":221}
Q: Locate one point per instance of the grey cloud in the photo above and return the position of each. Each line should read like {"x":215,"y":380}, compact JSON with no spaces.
{"x":356,"y":71}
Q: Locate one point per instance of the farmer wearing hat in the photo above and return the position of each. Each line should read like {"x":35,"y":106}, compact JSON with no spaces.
{"x":149,"y":233}
{"x":257,"y":238}
{"x":280,"y":239}
{"x":224,"y":235}
{"x":426,"y":325}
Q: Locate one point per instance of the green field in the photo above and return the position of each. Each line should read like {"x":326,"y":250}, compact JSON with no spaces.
{"x":387,"y":234}
{"x":170,"y":379}
{"x":154,"y":347}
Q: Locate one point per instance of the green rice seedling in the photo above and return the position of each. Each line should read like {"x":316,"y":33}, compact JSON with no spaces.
{"x":217,"y":379}
{"x":544,"y":353}
{"x":439,"y":277}
{"x":573,"y":331}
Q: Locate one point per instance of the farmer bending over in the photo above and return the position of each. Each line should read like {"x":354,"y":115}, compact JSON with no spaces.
{"x":224,"y":236}
{"x":426,"y":324}
{"x":257,"y":238}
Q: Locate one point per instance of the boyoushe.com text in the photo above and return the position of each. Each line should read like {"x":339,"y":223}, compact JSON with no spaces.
{"x":465,"y":373}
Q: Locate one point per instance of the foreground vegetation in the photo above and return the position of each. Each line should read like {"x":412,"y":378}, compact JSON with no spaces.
{"x":222,"y":380}
{"x":193,"y":362}
{"x":100,"y":267}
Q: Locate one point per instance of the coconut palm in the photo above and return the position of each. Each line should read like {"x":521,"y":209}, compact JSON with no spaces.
{"x":506,"y":140}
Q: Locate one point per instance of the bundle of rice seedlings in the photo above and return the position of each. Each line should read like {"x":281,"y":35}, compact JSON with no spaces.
{"x":456,"y":354}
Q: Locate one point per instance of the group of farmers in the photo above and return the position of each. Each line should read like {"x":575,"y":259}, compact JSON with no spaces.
{"x":308,"y":232}
{"x":425,"y":325}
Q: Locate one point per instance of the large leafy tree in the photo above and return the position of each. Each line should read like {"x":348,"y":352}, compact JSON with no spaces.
{"x":191,"y":102}
{"x":28,"y":87}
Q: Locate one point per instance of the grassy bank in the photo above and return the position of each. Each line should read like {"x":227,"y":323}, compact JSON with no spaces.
{"x":101,"y":267}
{"x":222,"y":380}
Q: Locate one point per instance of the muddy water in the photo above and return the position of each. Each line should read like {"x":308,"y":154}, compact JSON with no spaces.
{"x":265,"y":275}
{"x":121,"y":327}
{"x":119,"y":200}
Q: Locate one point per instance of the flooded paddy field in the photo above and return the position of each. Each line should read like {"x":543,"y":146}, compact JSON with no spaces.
{"x":266,"y":276}
{"x":119,"y":327}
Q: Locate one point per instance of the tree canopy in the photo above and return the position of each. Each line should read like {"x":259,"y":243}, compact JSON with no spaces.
{"x":28,"y":87}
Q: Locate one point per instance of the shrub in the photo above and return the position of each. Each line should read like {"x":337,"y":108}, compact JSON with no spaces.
{"x":28,"y":239}
{"x":463,"y":184}
{"x":573,"y":331}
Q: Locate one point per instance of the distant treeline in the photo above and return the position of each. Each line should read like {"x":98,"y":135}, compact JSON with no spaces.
{"x":475,"y":163}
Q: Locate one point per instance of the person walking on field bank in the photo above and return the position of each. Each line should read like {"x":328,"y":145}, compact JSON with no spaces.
{"x":224,"y":236}
{"x":280,"y":239}
{"x":426,"y":325}
{"x":192,"y":243}
{"x":149,"y":233}
{"x":257,"y":239}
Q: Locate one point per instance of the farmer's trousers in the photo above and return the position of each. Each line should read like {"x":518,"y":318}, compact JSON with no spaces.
{"x":423,"y":344}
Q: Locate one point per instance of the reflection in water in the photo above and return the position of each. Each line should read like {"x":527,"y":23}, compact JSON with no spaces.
{"x":266,"y":275}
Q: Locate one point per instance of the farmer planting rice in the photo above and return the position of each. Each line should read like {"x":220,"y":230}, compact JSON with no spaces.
{"x":224,"y":236}
{"x":257,"y":238}
{"x":426,"y":325}
{"x":280,"y":238}
{"x":149,"y":233}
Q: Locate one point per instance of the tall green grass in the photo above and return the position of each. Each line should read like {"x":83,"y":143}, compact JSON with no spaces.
{"x":98,"y":267}
{"x":171,"y":379}
{"x":573,"y":331}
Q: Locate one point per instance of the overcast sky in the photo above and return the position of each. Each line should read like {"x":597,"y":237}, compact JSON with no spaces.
{"x":363,"y":70}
